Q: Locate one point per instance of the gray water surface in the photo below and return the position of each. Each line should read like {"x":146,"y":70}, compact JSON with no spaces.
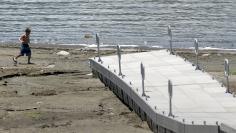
{"x":129,"y":22}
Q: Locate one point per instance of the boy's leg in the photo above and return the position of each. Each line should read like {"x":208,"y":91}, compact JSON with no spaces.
{"x":29,"y":57}
{"x":18,"y":56}
{"x":15,"y":58}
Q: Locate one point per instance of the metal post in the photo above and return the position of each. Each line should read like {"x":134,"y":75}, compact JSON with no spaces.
{"x":227,"y":74}
{"x":196,"y":52}
{"x":170,"y":90}
{"x":143,"y":78}
{"x":119,"y":59}
{"x":98,"y":46}
{"x":170,"y":39}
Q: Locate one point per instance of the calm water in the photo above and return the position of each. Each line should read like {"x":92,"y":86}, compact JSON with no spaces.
{"x":129,"y":22}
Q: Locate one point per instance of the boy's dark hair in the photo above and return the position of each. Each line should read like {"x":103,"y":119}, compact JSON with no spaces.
{"x":27,"y":30}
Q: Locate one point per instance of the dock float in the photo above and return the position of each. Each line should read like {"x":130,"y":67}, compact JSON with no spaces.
{"x":168,"y":92}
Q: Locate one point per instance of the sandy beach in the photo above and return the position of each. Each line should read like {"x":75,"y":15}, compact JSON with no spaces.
{"x":59,"y":94}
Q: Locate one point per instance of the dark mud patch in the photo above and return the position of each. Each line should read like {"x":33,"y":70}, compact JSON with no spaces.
{"x":8,"y":93}
{"x":39,"y":74}
{"x":56,"y":73}
{"x":124,"y":113}
{"x":26,"y":109}
{"x":44,"y":93}
{"x":55,"y":125}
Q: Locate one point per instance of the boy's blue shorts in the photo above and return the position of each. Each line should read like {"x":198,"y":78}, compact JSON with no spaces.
{"x":25,"y":50}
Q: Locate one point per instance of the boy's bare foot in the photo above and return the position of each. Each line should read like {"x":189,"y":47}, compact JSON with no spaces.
{"x":30,"y":63}
{"x":14,"y":60}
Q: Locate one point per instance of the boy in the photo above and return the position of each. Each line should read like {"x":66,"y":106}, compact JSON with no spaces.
{"x":25,"y":49}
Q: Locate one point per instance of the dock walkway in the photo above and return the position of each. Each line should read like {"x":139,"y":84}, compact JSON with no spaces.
{"x":199,"y":102}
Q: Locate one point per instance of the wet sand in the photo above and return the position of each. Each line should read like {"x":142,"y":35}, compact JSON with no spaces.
{"x":58,"y":93}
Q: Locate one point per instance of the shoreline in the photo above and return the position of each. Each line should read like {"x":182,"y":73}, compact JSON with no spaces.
{"x":113,"y":47}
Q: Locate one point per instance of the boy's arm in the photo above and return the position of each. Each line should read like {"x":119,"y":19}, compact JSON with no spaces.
{"x":21,"y":38}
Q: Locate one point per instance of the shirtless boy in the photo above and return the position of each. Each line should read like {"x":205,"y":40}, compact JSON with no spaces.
{"x":25,"y":49}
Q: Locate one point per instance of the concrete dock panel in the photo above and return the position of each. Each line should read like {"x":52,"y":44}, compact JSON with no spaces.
{"x":200,"y":104}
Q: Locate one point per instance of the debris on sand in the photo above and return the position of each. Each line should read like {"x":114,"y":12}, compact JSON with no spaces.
{"x":88,"y":36}
{"x":205,"y":55}
{"x":50,"y":66}
{"x":90,"y":74}
{"x":63,"y":53}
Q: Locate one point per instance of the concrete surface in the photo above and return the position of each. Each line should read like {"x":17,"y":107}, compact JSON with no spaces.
{"x":198,"y":99}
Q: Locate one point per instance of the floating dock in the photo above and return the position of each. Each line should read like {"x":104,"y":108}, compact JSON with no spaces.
{"x":198,"y":103}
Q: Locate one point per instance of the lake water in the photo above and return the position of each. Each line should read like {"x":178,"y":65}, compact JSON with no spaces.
{"x":127,"y":22}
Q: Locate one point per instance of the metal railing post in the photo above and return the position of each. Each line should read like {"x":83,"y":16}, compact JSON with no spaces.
{"x":170,"y":39}
{"x":119,"y":59}
{"x":196,"y":53}
{"x":226,"y":64}
{"x":170,"y":91}
{"x":143,"y":78}
{"x":98,"y":47}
